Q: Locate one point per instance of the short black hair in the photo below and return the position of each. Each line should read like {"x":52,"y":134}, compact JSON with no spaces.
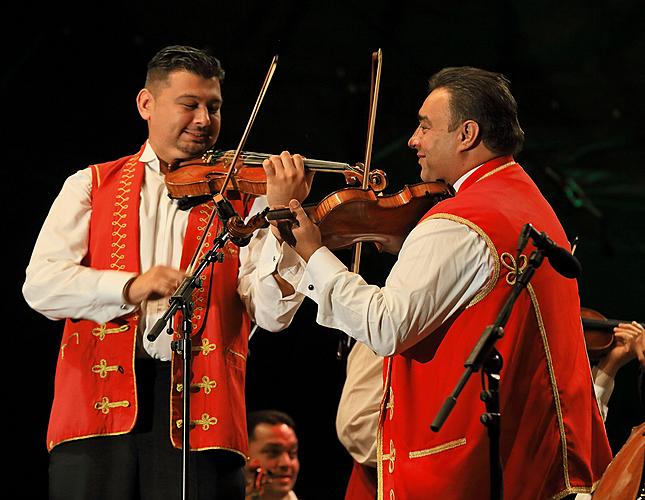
{"x":485,"y":97}
{"x":271,"y":417}
{"x":186,"y":58}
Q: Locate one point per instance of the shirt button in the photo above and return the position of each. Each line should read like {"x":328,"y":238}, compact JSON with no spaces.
{"x":274,"y":258}
{"x":310,"y":287}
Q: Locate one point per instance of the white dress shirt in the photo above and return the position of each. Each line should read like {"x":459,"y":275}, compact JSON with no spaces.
{"x":59,"y":286}
{"x":423,"y":289}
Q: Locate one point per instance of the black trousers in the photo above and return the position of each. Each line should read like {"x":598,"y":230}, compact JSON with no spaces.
{"x":143,"y":464}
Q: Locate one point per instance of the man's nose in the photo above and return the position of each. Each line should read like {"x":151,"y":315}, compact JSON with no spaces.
{"x":202,"y":115}
{"x":413,"y":141}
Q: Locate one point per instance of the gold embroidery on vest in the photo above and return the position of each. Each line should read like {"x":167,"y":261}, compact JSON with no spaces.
{"x":379,"y":431}
{"x":206,"y":384}
{"x":103,"y":368}
{"x":438,"y":449}
{"x":199,"y":301}
{"x":62,"y":348}
{"x":508,"y":261}
{"x":205,"y":348}
{"x":119,"y":214}
{"x":105,"y":405}
{"x":495,"y":170}
{"x":390,"y":403}
{"x":205,"y":211}
{"x":101,"y":331}
{"x":391,"y":457}
{"x":206,"y":421}
{"x":231,"y":248}
{"x":392,"y":495}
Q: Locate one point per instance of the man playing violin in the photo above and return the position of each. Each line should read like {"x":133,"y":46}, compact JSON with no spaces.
{"x":454,"y":272}
{"x":112,"y":250}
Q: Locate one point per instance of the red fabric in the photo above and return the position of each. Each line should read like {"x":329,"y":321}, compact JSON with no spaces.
{"x":552,"y":437}
{"x":89,"y":401}
{"x":362,"y":483}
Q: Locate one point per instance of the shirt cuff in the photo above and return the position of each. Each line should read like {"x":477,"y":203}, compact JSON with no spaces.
{"x":323,"y":265}
{"x":282,"y":258}
{"x":603,"y":385}
{"x":110,"y":290}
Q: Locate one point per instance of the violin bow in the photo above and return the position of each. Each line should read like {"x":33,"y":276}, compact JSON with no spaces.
{"x":346,"y":342}
{"x":219,"y":198}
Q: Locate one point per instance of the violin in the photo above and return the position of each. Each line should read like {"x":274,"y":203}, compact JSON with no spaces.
{"x":599,"y":333}
{"x":354,"y":215}
{"x":205,"y":176}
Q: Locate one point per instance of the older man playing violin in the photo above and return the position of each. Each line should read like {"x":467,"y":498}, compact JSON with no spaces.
{"x":454,"y":272}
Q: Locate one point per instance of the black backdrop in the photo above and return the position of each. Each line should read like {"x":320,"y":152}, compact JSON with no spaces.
{"x":71,"y":73}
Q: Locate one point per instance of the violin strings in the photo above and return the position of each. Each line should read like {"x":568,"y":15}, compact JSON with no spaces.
{"x":255,"y":159}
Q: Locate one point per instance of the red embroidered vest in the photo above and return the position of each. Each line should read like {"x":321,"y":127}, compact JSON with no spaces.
{"x":553,"y":441}
{"x":95,"y":388}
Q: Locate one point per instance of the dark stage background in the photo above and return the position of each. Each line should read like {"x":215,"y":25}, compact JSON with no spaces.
{"x":71,"y":74}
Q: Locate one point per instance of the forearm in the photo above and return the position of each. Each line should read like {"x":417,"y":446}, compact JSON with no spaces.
{"x":67,"y":290}
{"x":423,"y":289}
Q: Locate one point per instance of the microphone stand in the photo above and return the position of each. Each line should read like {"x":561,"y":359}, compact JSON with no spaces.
{"x":235,"y":230}
{"x":484,"y":355}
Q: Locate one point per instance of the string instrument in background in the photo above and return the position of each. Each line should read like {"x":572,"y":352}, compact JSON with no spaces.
{"x":599,"y":332}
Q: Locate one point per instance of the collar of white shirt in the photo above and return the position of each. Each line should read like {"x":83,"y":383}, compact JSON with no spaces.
{"x":149,"y":157}
{"x":462,"y":179}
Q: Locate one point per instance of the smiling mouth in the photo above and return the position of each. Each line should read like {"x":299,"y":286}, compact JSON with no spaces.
{"x":199,"y":136}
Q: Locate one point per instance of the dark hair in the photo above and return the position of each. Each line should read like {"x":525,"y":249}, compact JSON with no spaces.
{"x":182,"y":57}
{"x":272,"y":417}
{"x":485,"y":97}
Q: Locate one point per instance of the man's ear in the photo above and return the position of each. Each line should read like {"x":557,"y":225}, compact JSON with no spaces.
{"x":469,"y":134}
{"x":145,"y":101}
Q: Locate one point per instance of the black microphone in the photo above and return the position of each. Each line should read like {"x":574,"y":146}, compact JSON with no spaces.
{"x":561,"y":260}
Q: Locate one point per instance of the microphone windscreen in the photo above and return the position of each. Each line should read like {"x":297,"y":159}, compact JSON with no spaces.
{"x":564,"y":263}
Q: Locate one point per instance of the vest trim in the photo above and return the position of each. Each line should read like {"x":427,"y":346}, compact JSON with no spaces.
{"x":490,"y":284}
{"x":554,"y":384}
{"x":437,"y":449}
{"x":495,"y":170}
{"x":379,"y":430}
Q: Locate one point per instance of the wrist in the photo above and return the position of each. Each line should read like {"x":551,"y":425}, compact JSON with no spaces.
{"x":609,"y":365}
{"x":308,"y":251}
{"x":276,"y":233}
{"x":126,"y":291}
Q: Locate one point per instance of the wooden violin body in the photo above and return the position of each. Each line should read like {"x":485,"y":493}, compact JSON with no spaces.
{"x":205,"y":176}
{"x":355,"y":215}
{"x":599,"y":332}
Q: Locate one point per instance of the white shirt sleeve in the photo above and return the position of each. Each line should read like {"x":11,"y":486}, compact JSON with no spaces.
{"x":424,"y":288}
{"x":57,"y":285}
{"x":603,"y":386}
{"x":257,"y":287}
{"x":360,"y":401}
